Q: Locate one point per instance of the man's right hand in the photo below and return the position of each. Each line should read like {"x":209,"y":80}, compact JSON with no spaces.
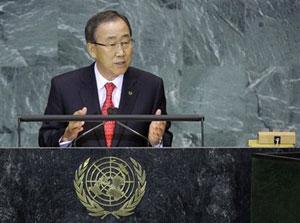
{"x":74,"y":127}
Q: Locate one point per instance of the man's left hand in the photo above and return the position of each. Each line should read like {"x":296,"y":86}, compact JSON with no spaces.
{"x":156,"y":130}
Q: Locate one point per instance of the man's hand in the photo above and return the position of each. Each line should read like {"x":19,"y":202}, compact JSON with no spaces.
{"x":74,"y":127}
{"x":156,"y":130}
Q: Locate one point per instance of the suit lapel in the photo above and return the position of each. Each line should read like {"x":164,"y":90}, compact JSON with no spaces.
{"x":89,"y":96}
{"x":127,"y":102}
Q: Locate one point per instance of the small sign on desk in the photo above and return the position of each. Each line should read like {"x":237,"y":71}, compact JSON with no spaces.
{"x":268,"y":139}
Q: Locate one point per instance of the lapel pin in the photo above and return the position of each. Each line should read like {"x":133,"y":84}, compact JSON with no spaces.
{"x":130,"y":93}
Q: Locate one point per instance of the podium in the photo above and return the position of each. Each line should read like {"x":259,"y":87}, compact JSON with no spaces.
{"x":275,"y":188}
{"x":182,"y":184}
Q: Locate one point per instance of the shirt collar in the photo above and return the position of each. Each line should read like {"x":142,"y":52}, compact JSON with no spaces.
{"x":101,"y":81}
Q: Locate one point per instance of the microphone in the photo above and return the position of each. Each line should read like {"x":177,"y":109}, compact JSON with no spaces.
{"x":115,"y":111}
{"x":111,"y":111}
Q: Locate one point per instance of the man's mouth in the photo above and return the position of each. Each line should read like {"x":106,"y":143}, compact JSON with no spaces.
{"x":120,"y":63}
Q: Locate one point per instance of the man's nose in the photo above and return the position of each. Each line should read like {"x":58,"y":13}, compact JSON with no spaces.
{"x":119,"y":50}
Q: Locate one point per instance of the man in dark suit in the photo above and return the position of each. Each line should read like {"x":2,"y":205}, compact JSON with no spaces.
{"x":107,"y":83}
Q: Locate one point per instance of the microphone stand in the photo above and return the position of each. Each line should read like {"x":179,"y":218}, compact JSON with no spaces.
{"x":85,"y":133}
{"x":115,"y":111}
{"x":133,"y":131}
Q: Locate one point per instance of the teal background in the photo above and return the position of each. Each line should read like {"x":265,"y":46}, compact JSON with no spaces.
{"x":234,"y":61}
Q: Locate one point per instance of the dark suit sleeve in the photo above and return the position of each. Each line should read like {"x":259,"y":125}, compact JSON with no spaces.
{"x":51,"y":132}
{"x":161,"y":104}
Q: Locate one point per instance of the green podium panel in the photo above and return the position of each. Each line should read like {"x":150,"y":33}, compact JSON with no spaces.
{"x":275,"y":188}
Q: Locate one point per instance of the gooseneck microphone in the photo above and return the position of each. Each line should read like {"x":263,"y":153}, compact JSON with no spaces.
{"x":111,"y":111}
{"x":115,"y":111}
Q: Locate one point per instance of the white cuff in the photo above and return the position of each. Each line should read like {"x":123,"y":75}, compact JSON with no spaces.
{"x":65,"y":144}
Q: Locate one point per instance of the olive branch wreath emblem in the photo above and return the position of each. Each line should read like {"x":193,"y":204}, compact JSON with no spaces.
{"x":97,"y":210}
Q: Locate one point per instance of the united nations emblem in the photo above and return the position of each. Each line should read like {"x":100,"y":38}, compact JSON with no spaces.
{"x":110,"y":186}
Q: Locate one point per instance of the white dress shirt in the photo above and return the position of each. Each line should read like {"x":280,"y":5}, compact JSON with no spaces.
{"x":101,"y":81}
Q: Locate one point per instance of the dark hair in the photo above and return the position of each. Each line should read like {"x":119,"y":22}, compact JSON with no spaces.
{"x":100,"y":18}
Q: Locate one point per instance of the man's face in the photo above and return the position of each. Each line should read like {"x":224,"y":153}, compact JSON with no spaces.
{"x":114,"y":58}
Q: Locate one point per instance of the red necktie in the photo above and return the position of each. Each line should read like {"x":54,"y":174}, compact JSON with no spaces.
{"x":109,"y":126}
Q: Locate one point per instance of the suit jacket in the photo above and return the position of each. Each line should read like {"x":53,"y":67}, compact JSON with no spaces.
{"x":142,"y":93}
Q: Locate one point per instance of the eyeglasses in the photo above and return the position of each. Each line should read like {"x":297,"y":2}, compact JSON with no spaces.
{"x":113,"y":46}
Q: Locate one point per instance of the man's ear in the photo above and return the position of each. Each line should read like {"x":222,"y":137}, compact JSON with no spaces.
{"x":91,"y":50}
